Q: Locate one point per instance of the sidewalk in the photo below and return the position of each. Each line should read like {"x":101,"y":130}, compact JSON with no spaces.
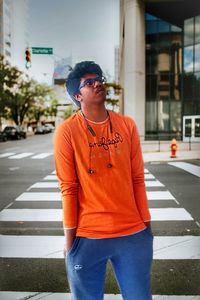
{"x":165,"y":156}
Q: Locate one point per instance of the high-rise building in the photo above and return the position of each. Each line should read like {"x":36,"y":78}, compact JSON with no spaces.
{"x":14,"y":29}
{"x":159,"y":67}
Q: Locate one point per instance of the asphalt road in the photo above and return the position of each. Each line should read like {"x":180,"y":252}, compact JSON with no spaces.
{"x":174,"y":219}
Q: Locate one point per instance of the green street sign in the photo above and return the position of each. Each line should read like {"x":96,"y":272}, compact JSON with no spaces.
{"x":39,"y":50}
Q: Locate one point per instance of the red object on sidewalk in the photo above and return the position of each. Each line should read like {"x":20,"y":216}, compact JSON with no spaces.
{"x":173,"y":147}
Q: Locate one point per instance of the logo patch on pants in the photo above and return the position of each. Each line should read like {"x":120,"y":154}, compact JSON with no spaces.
{"x":78,"y":267}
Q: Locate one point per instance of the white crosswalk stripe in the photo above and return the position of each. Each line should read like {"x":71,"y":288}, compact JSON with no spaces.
{"x":55,"y":215}
{"x":21,"y":155}
{"x":66,"y":296}
{"x":3,"y":155}
{"x":31,"y":155}
{"x":41,"y":155}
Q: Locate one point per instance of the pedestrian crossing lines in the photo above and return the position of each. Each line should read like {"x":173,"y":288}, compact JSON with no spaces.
{"x":48,"y":246}
{"x":30,"y":155}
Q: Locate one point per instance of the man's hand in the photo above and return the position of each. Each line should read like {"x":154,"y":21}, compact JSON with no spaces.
{"x":70,"y":235}
{"x":148,"y":224}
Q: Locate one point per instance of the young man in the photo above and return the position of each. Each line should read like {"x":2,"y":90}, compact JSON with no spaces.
{"x":100,"y":170}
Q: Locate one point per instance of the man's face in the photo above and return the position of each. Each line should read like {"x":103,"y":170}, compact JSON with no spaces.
{"x":91,"y":92}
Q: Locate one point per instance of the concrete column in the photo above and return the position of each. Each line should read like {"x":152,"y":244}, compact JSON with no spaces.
{"x":134,"y":62}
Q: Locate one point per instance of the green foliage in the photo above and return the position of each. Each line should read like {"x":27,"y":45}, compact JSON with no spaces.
{"x":21,"y":97}
{"x":68,"y":112}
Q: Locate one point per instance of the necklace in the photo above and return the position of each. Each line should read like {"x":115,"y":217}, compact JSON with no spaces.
{"x":93,"y":133}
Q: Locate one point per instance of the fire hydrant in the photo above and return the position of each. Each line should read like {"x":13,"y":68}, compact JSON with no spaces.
{"x":173,"y":147}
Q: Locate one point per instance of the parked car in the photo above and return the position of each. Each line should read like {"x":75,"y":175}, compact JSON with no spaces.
{"x":49,"y":126}
{"x":41,"y":130}
{"x":14,"y":132}
{"x":3,"y":136}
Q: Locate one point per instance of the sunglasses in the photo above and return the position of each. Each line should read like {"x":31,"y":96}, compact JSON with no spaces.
{"x":90,"y":81}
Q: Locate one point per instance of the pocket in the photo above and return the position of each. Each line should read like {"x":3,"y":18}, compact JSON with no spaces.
{"x":74,"y":246}
{"x":149,"y":231}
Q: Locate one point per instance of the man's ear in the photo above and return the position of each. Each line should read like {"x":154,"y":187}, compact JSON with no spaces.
{"x":78,"y":97}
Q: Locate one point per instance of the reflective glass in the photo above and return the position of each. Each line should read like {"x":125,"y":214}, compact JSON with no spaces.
{"x":175,"y":116}
{"x":151,"y":87}
{"x":197,"y":127}
{"x":175,"y":28}
{"x":151,"y":116}
{"x":197,"y":57}
{"x":188,"y":108}
{"x":197,"y":30}
{"x":188,"y":59}
{"x":164,"y":61}
{"x":188,"y":86}
{"x":150,"y":17}
{"x":188,"y":127}
{"x":163,"y":26}
{"x":163,"y":115}
{"x":189,"y":32}
{"x":175,"y":87}
{"x":151,"y":27}
{"x":197,"y":85}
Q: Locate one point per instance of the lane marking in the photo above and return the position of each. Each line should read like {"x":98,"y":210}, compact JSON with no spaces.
{"x":190,"y":168}
{"x":55,"y":215}
{"x":170,"y":214}
{"x":149,"y":176}
{"x":34,"y":215}
{"x":6,"y":154}
{"x":160,"y":195}
{"x":155,"y":183}
{"x":30,"y":246}
{"x":39,"y":185}
{"x":21,"y":155}
{"x":41,"y":155}
{"x":51,"y":177}
{"x":54,"y":196}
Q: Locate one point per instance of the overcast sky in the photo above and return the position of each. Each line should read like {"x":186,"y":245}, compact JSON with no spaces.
{"x":85,"y":29}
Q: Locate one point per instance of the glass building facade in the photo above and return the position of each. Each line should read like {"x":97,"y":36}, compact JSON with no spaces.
{"x":172,"y":76}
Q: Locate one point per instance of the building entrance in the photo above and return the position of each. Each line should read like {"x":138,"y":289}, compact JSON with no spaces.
{"x":191,"y":128}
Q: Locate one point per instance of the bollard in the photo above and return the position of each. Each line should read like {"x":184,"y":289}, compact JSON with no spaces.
{"x":173,"y":147}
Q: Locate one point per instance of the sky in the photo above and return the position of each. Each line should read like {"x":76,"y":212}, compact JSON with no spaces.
{"x":83,"y":29}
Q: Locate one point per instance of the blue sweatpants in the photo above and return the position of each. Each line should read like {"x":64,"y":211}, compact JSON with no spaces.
{"x":130,"y":256}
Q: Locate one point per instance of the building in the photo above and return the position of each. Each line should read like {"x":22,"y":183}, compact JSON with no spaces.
{"x":160,"y":67}
{"x":14,"y":31}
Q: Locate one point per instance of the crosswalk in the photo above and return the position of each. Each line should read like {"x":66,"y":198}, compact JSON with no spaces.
{"x":26,"y":208}
{"x":30,"y":155}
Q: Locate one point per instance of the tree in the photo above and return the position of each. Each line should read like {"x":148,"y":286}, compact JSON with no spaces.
{"x":8,"y":78}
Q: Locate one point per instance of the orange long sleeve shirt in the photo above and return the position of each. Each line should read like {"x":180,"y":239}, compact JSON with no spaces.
{"x":112,"y":201}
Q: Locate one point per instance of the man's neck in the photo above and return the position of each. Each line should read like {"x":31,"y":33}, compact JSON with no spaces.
{"x":95,"y":114}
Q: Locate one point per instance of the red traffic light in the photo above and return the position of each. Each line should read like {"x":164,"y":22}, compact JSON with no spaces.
{"x":28,"y":58}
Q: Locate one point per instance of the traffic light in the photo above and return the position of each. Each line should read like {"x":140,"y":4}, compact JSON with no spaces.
{"x":28,"y":58}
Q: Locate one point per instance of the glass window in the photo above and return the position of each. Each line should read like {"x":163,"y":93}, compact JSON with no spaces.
{"x":188,"y":127}
{"x":189,"y":32}
{"x":151,"y":116}
{"x":163,"y":26}
{"x":197,"y":30}
{"x":188,"y":86}
{"x":175,"y":116}
{"x":188,"y":108}
{"x":197,"y":127}
{"x":175,"y":28}
{"x":151,"y":27}
{"x":197,"y":85}
{"x":175,"y":87}
{"x":188,"y":59}
{"x":197,"y":57}
{"x":163,"y":61}
{"x":163,"y":115}
{"x":150,"y":17}
{"x":151,"y":86}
